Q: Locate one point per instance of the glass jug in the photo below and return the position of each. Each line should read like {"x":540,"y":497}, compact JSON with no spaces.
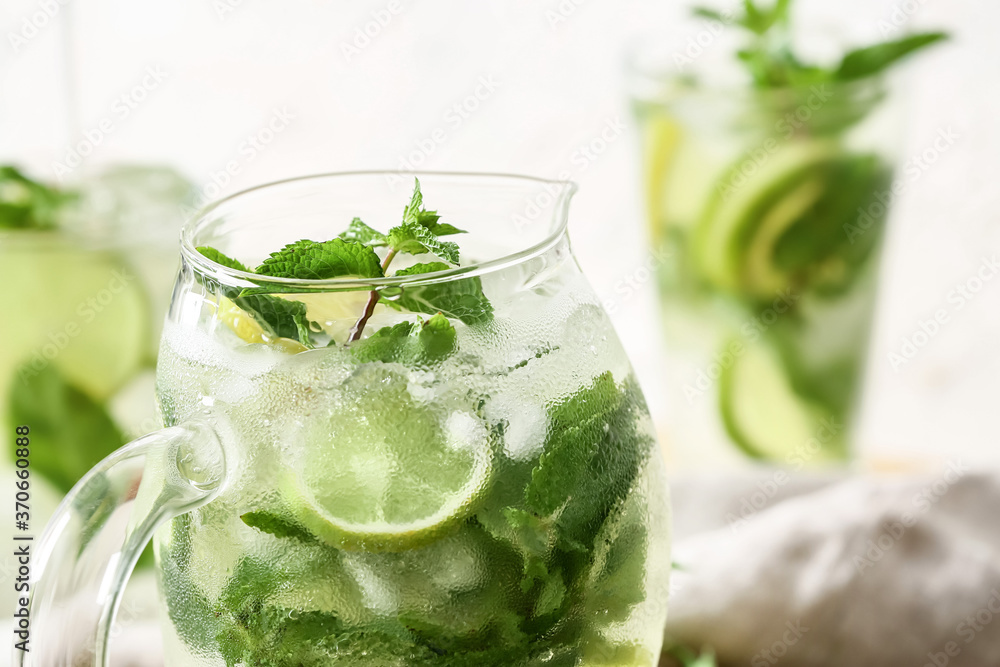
{"x":449,"y":463}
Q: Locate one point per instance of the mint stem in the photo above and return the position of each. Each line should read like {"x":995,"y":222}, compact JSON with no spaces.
{"x":359,"y":327}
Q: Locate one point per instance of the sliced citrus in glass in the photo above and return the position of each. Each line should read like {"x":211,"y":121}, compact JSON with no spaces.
{"x":336,"y":312}
{"x":755,"y":204}
{"x":83,"y":311}
{"x":381,"y":470}
{"x":248,"y":329}
{"x":762,"y":413}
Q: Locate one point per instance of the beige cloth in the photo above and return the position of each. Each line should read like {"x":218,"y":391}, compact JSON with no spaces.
{"x":864,"y":572}
{"x":808,"y":571}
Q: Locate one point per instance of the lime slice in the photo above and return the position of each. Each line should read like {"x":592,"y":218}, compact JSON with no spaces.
{"x":662,"y":137}
{"x":600,"y":652}
{"x":83,"y":311}
{"x":756,"y":203}
{"x":383,"y":472}
{"x":248,"y":329}
{"x":762,"y":413}
{"x":759,"y":273}
{"x":336,"y":312}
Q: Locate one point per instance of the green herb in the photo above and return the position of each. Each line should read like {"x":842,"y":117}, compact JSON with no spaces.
{"x":359,"y":232}
{"x":409,"y":343}
{"x":353,"y":254}
{"x":71,"y":431}
{"x":279,"y":526}
{"x":461,"y":299}
{"x":279,"y":317}
{"x":559,"y":523}
{"x":309,"y":260}
{"x":28,"y":204}
{"x":193,"y":615}
{"x":772,"y":63}
{"x":583,"y":560}
{"x":871,"y":60}
{"x":222,"y":259}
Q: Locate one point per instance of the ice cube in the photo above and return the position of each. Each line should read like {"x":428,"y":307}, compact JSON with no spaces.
{"x":527,"y":424}
{"x":465,"y":432}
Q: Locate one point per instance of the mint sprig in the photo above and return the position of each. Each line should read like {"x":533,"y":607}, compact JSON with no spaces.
{"x":772,"y":63}
{"x":355,"y":253}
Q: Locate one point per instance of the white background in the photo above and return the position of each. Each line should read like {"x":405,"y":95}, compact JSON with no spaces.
{"x":227,"y":65}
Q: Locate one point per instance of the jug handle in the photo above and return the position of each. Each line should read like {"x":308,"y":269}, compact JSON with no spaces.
{"x":76,"y":573}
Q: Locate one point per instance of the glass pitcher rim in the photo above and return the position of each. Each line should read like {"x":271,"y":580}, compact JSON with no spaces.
{"x":206,"y":266}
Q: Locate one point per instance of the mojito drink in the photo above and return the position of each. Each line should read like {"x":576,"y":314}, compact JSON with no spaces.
{"x":90,"y":278}
{"x":767,"y":207}
{"x":455,"y":473}
{"x":770,"y":245}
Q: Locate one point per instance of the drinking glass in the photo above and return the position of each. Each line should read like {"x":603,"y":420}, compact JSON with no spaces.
{"x":92,"y":284}
{"x":500,"y":502}
{"x":767,"y":209}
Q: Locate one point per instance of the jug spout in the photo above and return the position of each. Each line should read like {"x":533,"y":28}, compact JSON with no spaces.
{"x":546,"y":208}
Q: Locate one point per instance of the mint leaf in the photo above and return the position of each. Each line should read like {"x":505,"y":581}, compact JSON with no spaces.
{"x":359,"y":232}
{"x":223,"y":259}
{"x":460,"y":299}
{"x":414,"y":211}
{"x":444,"y":229}
{"x":552,"y":595}
{"x":28,"y":204}
{"x":70,"y":431}
{"x":311,"y":260}
{"x":709,"y":13}
{"x":280,"y":317}
{"x":413,"y":238}
{"x":409,"y":343}
{"x":276,"y":525}
{"x":429,"y":220}
{"x":192,"y":614}
{"x":620,"y":582}
{"x":873,"y":59}
{"x":591,"y":458}
{"x":437,"y":337}
{"x":252,"y":583}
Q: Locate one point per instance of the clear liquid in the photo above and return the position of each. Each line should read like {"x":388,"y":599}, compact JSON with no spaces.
{"x":473,"y":594}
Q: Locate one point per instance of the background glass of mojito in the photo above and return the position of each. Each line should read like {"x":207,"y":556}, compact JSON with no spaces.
{"x":89,"y":270}
{"x":767,"y":206}
{"x":435,"y":451}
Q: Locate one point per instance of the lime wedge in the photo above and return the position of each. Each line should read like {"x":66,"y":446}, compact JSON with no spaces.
{"x":762,"y":413}
{"x":734,"y":240}
{"x":383,"y":472}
